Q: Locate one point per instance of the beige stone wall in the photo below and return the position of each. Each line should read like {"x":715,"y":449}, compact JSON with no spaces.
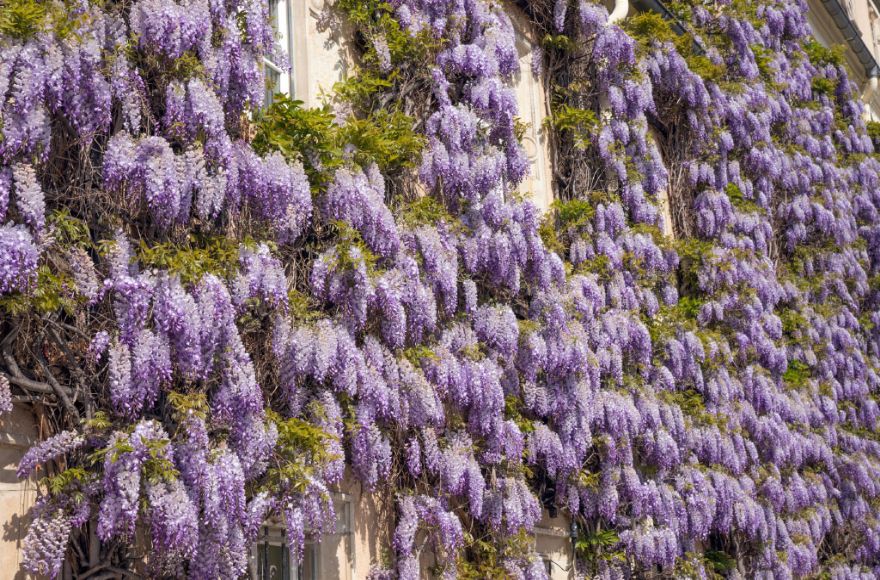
{"x":361,"y":539}
{"x":18,"y":431}
{"x":864,"y":14}
{"x":553,"y":544}
{"x":372,"y":533}
{"x":364,"y":530}
{"x":663,"y":202}
{"x":532,"y":100}
{"x":827,"y":33}
{"x":321,"y":54}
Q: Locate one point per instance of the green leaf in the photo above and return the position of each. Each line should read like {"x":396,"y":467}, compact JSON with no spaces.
{"x":22,"y":19}
{"x":193,"y":258}
{"x":797,"y":374}
{"x":721,"y":562}
{"x":582,"y":124}
{"x":819,"y":55}
{"x":73,"y":476}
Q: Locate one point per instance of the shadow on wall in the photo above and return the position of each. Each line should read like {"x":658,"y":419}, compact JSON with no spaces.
{"x":17,"y":432}
{"x":14,"y":530}
{"x":372,"y":531}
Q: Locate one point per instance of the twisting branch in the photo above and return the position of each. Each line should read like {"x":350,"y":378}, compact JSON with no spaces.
{"x":16,"y":377}
{"x":60,"y":391}
{"x":6,"y":350}
{"x":94,"y":570}
{"x":75,"y":370}
{"x":116,"y":573}
{"x":29,"y":384}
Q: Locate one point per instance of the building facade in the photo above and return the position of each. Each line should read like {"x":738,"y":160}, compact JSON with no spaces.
{"x":319,"y":58}
{"x":853,"y":25}
{"x":312,"y":56}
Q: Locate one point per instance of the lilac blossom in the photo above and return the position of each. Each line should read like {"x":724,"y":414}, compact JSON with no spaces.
{"x":261,"y":276}
{"x":5,"y":396}
{"x":29,"y":199}
{"x":358,"y":198}
{"x":46,"y":542}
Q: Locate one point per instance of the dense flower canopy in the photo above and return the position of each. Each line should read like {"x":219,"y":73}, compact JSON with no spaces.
{"x":234,"y":311}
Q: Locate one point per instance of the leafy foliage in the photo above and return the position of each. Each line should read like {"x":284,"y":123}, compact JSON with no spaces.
{"x":210,"y":255}
{"x":312,"y":136}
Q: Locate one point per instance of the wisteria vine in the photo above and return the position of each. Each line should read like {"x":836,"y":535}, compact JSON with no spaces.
{"x":228,"y":313}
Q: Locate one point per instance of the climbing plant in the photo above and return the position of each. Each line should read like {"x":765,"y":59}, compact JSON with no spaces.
{"x":221,"y":312}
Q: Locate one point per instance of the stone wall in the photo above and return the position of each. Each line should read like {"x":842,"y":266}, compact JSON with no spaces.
{"x":18,"y":431}
{"x":532,"y":99}
{"x":321,"y":53}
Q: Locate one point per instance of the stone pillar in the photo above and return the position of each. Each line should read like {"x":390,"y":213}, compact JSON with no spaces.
{"x":320,"y":54}
{"x":553,"y":544}
{"x":663,"y":197}
{"x":532,"y":101}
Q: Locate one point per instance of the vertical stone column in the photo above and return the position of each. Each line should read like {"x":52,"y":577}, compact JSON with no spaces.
{"x":663,"y":197}
{"x":320,"y":54}
{"x":532,"y":101}
{"x":553,"y":544}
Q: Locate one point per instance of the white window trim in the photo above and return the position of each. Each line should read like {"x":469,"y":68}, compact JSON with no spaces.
{"x":284,"y":29}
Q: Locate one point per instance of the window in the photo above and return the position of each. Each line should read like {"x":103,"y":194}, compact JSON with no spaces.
{"x":273,"y":83}
{"x":270,"y":557}
{"x":277,"y":65}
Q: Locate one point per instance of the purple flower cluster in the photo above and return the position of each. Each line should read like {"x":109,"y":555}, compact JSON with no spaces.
{"x":416,"y":511}
{"x":149,"y":171}
{"x":18,"y":259}
{"x":473,"y":148}
{"x":46,"y":541}
{"x":123,"y":471}
{"x":358,"y":198}
{"x":174,"y":524}
{"x":5,"y":396}
{"x":29,"y":198}
{"x":52,"y":448}
{"x":278,"y":192}
{"x":261,"y":276}
{"x":85,"y":277}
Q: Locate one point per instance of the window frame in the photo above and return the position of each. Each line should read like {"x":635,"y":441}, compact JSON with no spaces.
{"x":273,"y":533}
{"x":281,"y":15}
